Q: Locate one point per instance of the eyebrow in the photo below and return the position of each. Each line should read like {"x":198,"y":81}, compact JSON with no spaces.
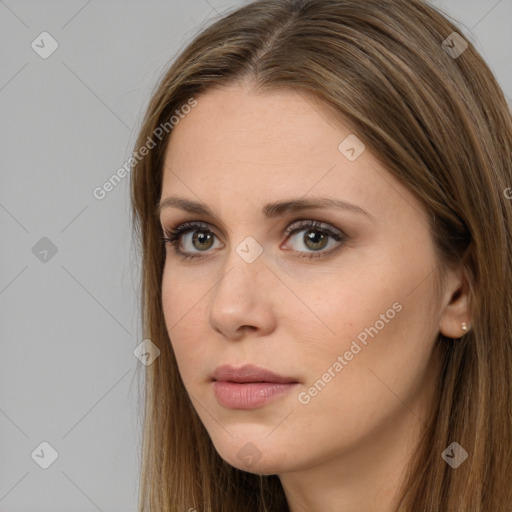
{"x":270,"y":210}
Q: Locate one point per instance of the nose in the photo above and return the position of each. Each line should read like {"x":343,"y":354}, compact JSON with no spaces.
{"x":244,"y":299}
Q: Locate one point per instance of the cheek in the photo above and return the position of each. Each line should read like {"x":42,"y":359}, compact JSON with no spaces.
{"x":377,"y":318}
{"x":346,"y":306}
{"x":182,"y":305}
{"x":379,"y":349}
{"x":183,"y":293}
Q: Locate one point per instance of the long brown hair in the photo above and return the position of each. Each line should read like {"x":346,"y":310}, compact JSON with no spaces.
{"x":439,"y":122}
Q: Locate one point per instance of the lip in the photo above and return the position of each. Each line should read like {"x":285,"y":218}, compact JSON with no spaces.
{"x":248,"y":387}
{"x":249,"y":395}
{"x":249,"y":373}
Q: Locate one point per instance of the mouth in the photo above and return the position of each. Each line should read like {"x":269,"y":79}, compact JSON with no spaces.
{"x":249,"y":387}
{"x":249,"y":373}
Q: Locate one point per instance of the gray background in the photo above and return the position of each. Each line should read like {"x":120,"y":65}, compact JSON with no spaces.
{"x":69,"y":321}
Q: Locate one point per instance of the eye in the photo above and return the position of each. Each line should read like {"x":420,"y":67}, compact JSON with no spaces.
{"x":316,"y":237}
{"x":200,"y":239}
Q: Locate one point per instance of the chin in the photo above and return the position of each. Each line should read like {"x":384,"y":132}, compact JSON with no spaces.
{"x":252,"y":457}
{"x":261,"y":467}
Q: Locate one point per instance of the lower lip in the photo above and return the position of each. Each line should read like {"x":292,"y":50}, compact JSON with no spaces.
{"x":250,"y":395}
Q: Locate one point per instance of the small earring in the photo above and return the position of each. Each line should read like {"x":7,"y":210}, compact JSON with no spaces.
{"x":464,"y":326}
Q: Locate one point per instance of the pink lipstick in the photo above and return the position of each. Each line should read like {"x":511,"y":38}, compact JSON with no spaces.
{"x":249,"y":387}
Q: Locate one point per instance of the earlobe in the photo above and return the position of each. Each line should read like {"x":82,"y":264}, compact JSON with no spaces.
{"x":455,"y":318}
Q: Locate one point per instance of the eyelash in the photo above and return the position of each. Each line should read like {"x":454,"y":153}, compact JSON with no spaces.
{"x":172,"y":236}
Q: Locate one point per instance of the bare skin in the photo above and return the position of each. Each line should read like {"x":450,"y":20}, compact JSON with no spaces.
{"x":344,"y":447}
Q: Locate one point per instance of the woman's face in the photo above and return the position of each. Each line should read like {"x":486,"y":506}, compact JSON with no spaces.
{"x":346,"y":310}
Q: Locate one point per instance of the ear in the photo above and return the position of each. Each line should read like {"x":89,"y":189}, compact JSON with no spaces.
{"x":455,"y":304}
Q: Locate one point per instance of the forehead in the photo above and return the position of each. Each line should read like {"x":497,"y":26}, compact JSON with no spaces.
{"x":237,"y":122}
{"x":240,"y":145}
{"x":234,"y":131}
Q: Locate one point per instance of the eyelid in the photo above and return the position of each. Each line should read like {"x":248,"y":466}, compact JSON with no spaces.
{"x":297,"y":223}
{"x":305,"y":223}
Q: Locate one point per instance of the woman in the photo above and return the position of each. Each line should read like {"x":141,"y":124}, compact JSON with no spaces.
{"x":326,"y":233}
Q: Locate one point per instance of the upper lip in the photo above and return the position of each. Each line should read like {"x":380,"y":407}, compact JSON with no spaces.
{"x":248,"y":373}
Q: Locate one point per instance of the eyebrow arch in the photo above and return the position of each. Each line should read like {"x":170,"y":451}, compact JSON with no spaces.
{"x":270,"y":210}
